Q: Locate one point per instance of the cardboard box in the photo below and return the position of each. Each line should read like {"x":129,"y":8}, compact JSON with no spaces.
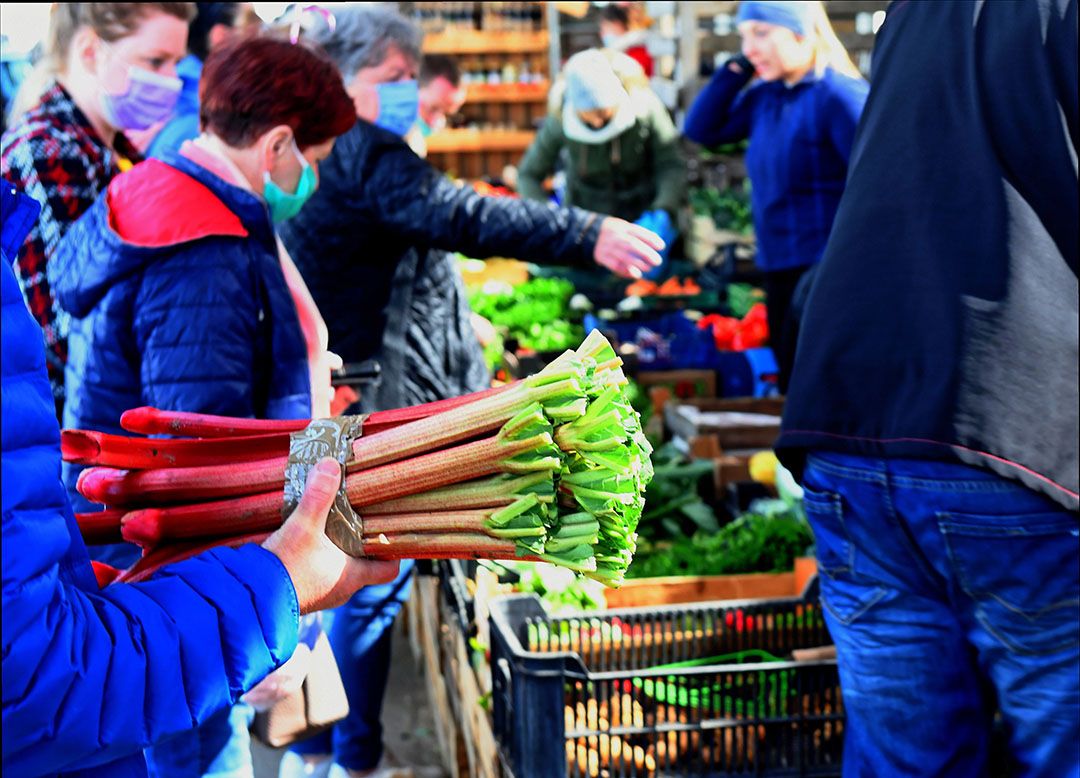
{"x":729,"y":469}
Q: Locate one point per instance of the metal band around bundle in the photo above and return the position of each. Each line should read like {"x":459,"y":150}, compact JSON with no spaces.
{"x":324,"y":438}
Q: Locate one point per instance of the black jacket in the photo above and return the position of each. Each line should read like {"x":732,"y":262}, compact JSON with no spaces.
{"x":429,"y":350}
{"x":943,"y":320}
{"x":379,"y":205}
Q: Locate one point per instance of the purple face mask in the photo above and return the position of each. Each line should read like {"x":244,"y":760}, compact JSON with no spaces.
{"x":148,"y":99}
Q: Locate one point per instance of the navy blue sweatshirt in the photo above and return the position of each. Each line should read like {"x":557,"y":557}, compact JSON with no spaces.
{"x":800,"y":142}
{"x":943,"y":319}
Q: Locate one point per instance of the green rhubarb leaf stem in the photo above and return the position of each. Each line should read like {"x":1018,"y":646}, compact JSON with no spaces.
{"x":492,"y":492}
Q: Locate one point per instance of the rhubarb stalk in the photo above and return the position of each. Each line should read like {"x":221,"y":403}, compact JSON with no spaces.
{"x":100,"y":528}
{"x":524,"y":445}
{"x":560,"y":393}
{"x":551,"y":468}
{"x":153,"y":421}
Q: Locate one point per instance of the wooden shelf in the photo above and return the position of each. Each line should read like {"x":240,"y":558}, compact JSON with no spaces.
{"x":851,"y":40}
{"x":460,"y":141}
{"x":507,"y":93}
{"x":481,"y":42}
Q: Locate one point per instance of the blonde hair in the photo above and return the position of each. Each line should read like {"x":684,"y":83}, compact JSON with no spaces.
{"x":110,"y":21}
{"x":829,"y":52}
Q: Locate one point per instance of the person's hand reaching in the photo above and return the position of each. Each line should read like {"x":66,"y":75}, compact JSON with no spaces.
{"x":323,"y":575}
{"x":626,"y":249}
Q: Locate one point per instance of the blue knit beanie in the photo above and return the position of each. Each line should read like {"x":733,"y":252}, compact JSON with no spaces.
{"x":793,"y":14}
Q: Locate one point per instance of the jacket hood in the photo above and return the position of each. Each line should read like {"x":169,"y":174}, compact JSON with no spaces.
{"x":145,"y":214}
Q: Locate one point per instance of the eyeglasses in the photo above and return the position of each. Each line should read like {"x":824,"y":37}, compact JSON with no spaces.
{"x":304,"y":18}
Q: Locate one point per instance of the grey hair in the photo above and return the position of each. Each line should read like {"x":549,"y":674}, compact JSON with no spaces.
{"x":363,"y":35}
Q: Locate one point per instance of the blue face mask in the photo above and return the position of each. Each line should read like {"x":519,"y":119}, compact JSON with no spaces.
{"x":284,"y":205}
{"x":399,"y":105}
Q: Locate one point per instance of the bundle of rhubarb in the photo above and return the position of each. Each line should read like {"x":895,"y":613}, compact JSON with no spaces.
{"x":550,"y":468}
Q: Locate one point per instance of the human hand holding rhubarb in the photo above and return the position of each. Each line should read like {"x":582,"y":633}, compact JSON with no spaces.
{"x":324,"y":576}
{"x":626,"y":249}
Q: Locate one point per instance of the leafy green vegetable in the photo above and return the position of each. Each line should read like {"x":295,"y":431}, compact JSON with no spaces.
{"x":726,"y":149}
{"x":766,"y":540}
{"x":535,"y":313}
{"x":640,"y":401}
{"x":729,"y":209}
{"x":558,"y":589}
{"x":673,"y":505}
{"x":742,"y":297}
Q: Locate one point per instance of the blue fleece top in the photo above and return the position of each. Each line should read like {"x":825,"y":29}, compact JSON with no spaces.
{"x":800,"y":143}
{"x":184,"y":124}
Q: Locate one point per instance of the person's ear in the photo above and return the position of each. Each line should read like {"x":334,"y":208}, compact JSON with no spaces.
{"x":275,"y":144}
{"x":86,"y":48}
{"x":218,"y":35}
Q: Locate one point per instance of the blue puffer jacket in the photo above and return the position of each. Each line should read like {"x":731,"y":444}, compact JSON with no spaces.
{"x":92,"y":677}
{"x":178,"y":301}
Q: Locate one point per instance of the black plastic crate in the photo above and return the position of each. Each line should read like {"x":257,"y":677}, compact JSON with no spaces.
{"x":695,"y":690}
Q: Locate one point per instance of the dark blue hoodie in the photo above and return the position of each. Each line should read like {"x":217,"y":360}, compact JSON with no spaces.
{"x":943,"y":319}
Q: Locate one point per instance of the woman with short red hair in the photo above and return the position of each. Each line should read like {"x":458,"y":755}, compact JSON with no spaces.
{"x":183,"y":298}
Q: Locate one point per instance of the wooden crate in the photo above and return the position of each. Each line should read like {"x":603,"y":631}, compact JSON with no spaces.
{"x":478,"y":272}
{"x":463,"y":728}
{"x":663,"y":386}
{"x":463,"y":690}
{"x":711,"y":438}
{"x":640,"y":592}
{"x":429,"y":626}
{"x":729,"y":469}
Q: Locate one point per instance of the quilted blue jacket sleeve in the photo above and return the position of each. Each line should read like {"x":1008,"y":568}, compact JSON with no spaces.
{"x":91,"y":676}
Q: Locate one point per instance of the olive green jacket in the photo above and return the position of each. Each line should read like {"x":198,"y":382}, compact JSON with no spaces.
{"x":637,"y":171}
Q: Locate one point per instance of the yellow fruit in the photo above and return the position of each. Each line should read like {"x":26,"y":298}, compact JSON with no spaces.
{"x":763,"y":467}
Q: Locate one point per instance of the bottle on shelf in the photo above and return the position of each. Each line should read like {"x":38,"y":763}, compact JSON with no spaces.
{"x":492,"y":16}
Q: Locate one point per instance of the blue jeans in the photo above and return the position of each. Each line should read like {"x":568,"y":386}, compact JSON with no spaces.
{"x":951,"y":593}
{"x":360,"y":634}
{"x":220,"y":748}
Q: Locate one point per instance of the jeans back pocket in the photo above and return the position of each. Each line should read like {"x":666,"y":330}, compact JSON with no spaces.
{"x":1023,"y":573}
{"x":844,"y":591}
